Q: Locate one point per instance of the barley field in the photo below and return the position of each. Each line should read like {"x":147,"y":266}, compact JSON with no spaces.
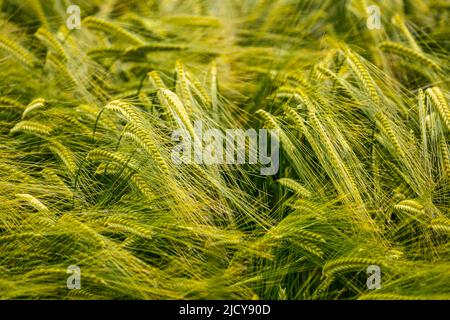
{"x":93,"y":204}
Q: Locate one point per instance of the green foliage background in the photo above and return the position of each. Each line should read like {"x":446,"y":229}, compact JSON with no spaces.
{"x":86,"y":176}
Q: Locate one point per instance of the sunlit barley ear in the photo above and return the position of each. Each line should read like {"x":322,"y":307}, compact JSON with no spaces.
{"x":74,"y":19}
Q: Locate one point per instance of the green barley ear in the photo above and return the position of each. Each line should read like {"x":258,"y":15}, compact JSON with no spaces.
{"x":129,"y":226}
{"x":53,"y":178}
{"x":342,"y":82}
{"x":386,"y":127}
{"x":298,"y":79}
{"x":51,"y":42}
{"x":388,"y":296}
{"x":146,"y":101}
{"x":86,"y":177}
{"x":363,"y":75}
{"x":295,"y":186}
{"x":5,"y":101}
{"x":399,"y":22}
{"x":182,"y":87}
{"x":111,"y":28}
{"x":144,"y":140}
{"x":441,"y":225}
{"x":17,"y":51}
{"x":269,"y":120}
{"x":34,"y":105}
{"x":13,"y":172}
{"x":176,"y":109}
{"x":114,"y":157}
{"x":32,"y":201}
{"x":61,"y":68}
{"x":156,"y":80}
{"x":410,"y":206}
{"x":199,"y":90}
{"x":10,"y":106}
{"x":422,"y":120}
{"x":347,"y":264}
{"x":296,"y":118}
{"x":32,"y":127}
{"x":193,"y":21}
{"x":126,"y":110}
{"x":108,"y":52}
{"x":445,"y":157}
{"x":409,"y":54}
{"x":107,"y":168}
{"x":271,"y":123}
{"x":80,"y":294}
{"x":282,"y":295}
{"x":335,"y":158}
{"x":84,"y":228}
{"x":64,"y":154}
{"x":142,"y":50}
{"x":142,"y":186}
{"x":311,"y":248}
{"x":441,"y":104}
{"x":74,"y":122}
{"x":302,"y":96}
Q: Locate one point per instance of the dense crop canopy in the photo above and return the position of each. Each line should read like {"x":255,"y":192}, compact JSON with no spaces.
{"x":89,"y":106}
